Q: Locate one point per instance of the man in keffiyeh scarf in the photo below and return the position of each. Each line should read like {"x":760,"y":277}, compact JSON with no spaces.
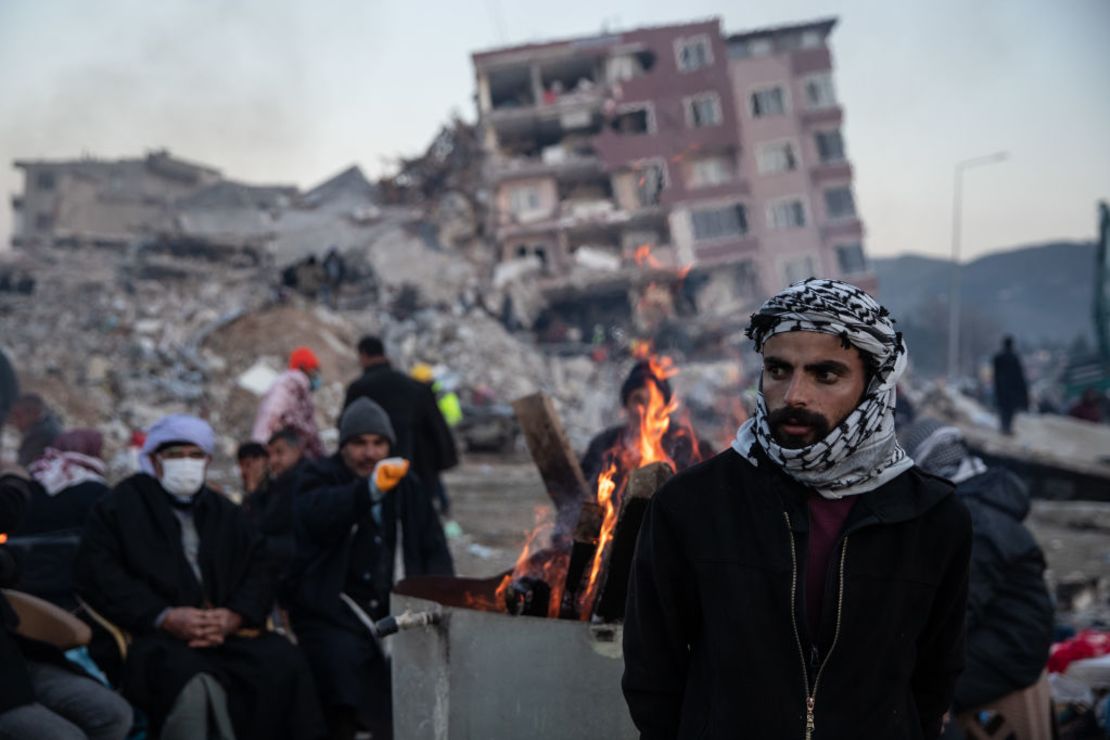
{"x":811,"y":574}
{"x":856,"y":451}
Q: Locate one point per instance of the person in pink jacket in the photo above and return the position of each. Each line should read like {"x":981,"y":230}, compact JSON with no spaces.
{"x":288,"y":403}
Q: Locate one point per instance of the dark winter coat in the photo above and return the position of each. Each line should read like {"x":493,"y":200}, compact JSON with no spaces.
{"x":1010,"y":613}
{"x":342,"y":547}
{"x":1010,"y":391}
{"x":422,"y":433}
{"x":131,"y":566}
{"x":270,"y":511}
{"x":716,"y":639}
{"x":15,"y":681}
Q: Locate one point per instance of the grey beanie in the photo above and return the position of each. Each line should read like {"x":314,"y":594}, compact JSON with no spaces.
{"x":364,"y":416}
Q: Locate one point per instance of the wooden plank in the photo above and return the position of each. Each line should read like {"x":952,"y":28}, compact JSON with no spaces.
{"x":551,"y":451}
{"x":642,"y":485}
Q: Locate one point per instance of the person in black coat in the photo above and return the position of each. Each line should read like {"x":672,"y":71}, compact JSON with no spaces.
{"x":179,"y":567}
{"x":1010,"y":391}
{"x":810,"y":582}
{"x":42,"y":695}
{"x":352,"y":516}
{"x":1010,"y":613}
{"x":423,"y":436}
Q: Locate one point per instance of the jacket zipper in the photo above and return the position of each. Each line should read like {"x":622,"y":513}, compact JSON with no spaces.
{"x":811,"y":695}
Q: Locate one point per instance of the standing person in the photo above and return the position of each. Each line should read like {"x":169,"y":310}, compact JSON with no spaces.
{"x":180,"y":568}
{"x":1010,"y":614}
{"x":1010,"y":392}
{"x":808,"y":582}
{"x":288,"y":403}
{"x":41,"y":695}
{"x":37,"y":424}
{"x":360,"y":519}
{"x":422,"y":433}
{"x":449,"y":407}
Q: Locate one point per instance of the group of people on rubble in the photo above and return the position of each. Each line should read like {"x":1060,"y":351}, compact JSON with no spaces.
{"x":232,"y":618}
{"x":827,"y":576}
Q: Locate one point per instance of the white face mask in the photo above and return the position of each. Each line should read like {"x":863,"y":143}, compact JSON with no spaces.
{"x":183,"y":476}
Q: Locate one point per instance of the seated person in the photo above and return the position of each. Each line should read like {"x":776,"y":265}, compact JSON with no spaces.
{"x":43,"y":695}
{"x":179,"y":567}
{"x":1010,"y":615}
{"x":67,"y":480}
{"x":354,"y":510}
{"x":621,"y":440}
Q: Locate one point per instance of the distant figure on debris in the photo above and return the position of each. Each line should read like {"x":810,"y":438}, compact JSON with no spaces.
{"x":288,"y":403}
{"x":809,"y":581}
{"x":1010,"y":614}
{"x":252,"y":460}
{"x":42,"y":694}
{"x":354,"y":511}
{"x":38,"y":424}
{"x":178,"y":566}
{"x":334,"y":271}
{"x":422,"y":433}
{"x":635,"y":394}
{"x":1088,"y":407}
{"x":309,"y":276}
{"x":1010,"y":392}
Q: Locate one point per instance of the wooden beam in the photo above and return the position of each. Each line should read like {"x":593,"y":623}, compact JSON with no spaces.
{"x":551,"y":451}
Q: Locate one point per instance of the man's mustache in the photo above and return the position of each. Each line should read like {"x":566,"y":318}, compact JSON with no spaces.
{"x":793,"y":416}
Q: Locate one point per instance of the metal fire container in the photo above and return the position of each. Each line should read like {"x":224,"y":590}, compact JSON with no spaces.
{"x":485,"y":675}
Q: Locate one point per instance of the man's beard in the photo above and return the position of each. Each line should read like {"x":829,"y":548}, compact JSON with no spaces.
{"x":791,"y":416}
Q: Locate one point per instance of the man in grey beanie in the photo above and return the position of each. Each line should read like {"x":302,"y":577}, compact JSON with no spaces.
{"x":362,"y":522}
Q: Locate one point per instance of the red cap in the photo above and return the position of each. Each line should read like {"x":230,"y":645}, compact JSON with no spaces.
{"x":303,"y":359}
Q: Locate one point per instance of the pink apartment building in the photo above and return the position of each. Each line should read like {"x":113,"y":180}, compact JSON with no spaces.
{"x":723,"y":153}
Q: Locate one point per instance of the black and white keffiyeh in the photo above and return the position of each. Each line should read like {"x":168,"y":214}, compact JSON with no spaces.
{"x":861,"y":453}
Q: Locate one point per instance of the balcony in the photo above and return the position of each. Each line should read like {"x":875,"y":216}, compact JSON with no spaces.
{"x":832,"y":116}
{"x":847,"y":228}
{"x":831,"y":171}
{"x":554,"y":161}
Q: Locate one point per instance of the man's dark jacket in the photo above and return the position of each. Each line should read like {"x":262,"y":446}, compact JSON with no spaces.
{"x":15,"y":681}
{"x":716,"y":642}
{"x":131,"y":566}
{"x":338,"y":535}
{"x":422,"y":433}
{"x":1010,"y":390}
{"x":1010,"y":613}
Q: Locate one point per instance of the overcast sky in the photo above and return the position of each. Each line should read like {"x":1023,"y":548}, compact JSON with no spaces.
{"x":292,"y":92}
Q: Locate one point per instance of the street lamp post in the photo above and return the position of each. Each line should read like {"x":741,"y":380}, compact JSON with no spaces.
{"x":954,"y":291}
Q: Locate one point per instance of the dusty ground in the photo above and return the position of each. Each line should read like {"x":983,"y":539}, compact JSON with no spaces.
{"x":494,"y":502}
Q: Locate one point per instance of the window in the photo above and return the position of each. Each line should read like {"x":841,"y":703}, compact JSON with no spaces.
{"x":830,"y":146}
{"x":524,"y":200}
{"x":798,"y":269}
{"x":768,"y":102}
{"x":650,"y":181}
{"x":811,"y":39}
{"x":710,"y":171}
{"x":45,"y":181}
{"x":839,"y":203}
{"x":819,"y":91}
{"x":777,"y":157}
{"x":743,"y":49}
{"x":693,"y":52}
{"x":44,"y":222}
{"x":632,"y":121}
{"x":703,"y":110}
{"x":850,"y":258}
{"x":787,"y":214}
{"x":718,"y":223}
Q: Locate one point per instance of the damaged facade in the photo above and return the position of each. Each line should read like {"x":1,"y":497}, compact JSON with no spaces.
{"x":720,"y":153}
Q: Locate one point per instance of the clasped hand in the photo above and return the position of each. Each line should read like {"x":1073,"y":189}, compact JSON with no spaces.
{"x":201,"y":628}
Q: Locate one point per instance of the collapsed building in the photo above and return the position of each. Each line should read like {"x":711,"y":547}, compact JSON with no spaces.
{"x":718,"y":157}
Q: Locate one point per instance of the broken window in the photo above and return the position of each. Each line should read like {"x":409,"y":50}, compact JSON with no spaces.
{"x":511,"y":87}
{"x":850,"y":258}
{"x":777,"y":156}
{"x":787,"y":214}
{"x":693,"y":52}
{"x":629,"y":66}
{"x":45,"y":181}
{"x":768,"y":102}
{"x":830,"y":146}
{"x":703,"y":110}
{"x":719,"y":223}
{"x":650,"y":181}
{"x":819,"y":91}
{"x":710,"y":171}
{"x":633,"y":121}
{"x":840,"y":203}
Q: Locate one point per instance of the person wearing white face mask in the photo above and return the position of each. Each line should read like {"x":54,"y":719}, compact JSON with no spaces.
{"x":180,"y":567}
